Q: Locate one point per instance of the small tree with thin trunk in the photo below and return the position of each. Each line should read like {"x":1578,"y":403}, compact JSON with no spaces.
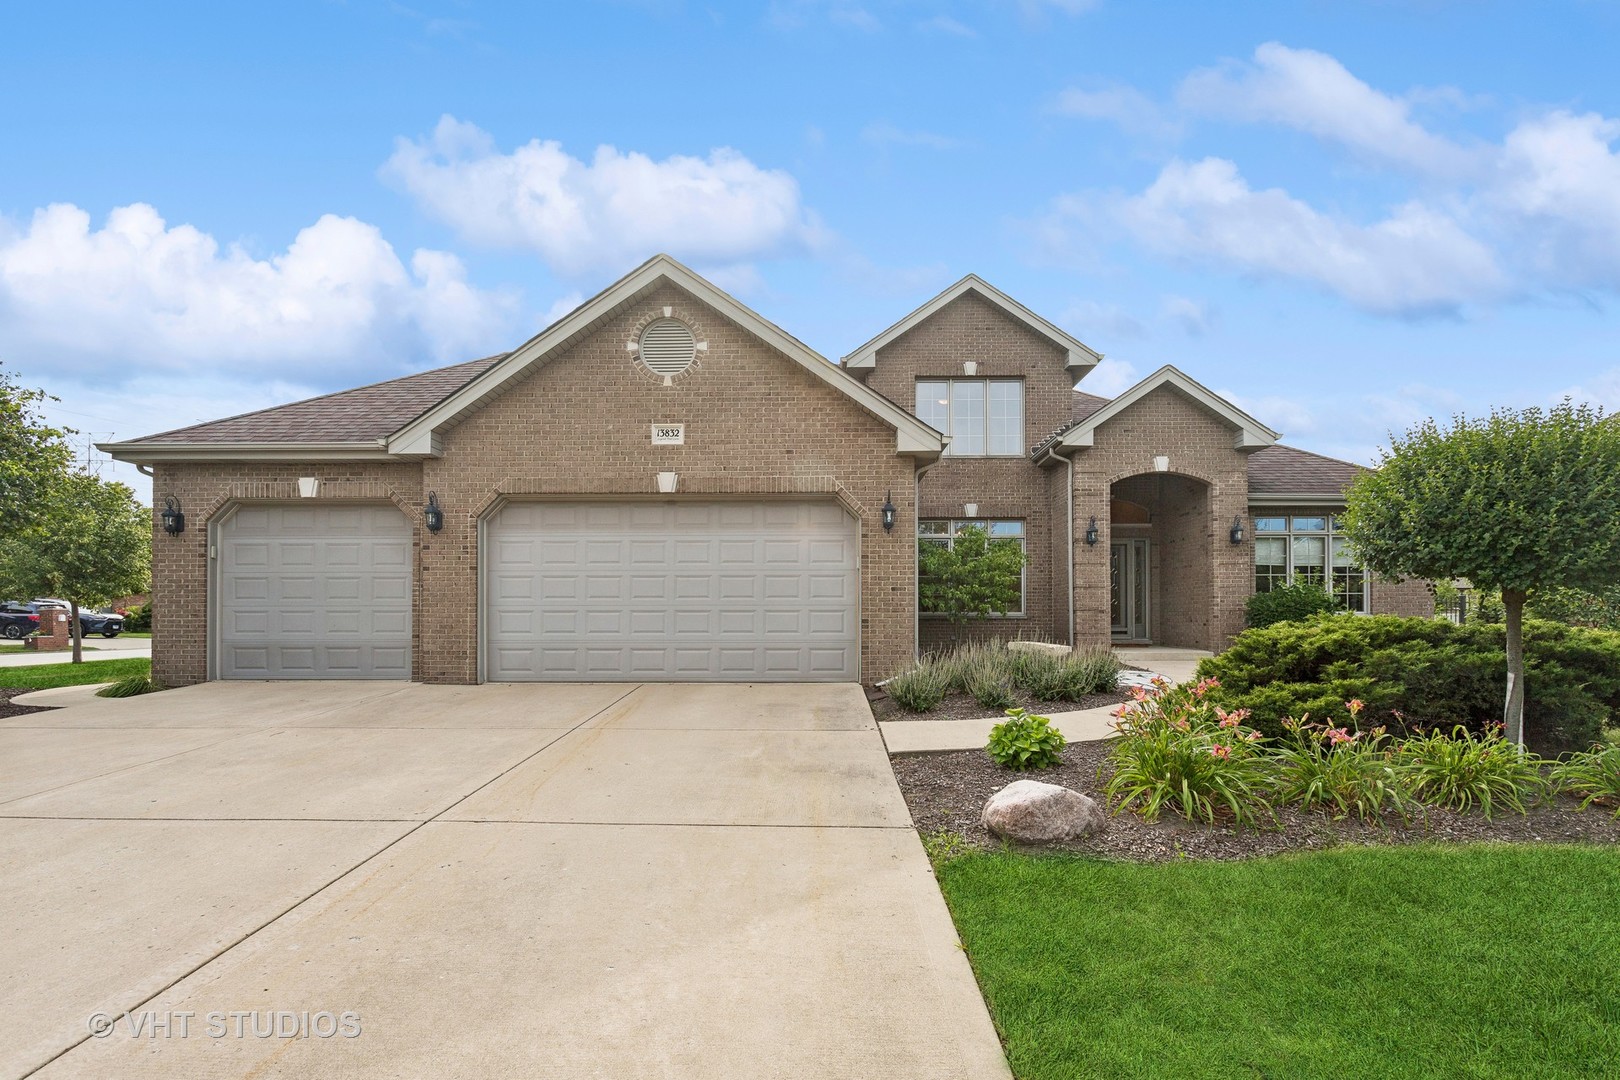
{"x":1521,"y":501}
{"x":93,"y":542}
{"x":976,"y":576}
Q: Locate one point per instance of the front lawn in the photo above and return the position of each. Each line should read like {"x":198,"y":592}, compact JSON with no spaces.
{"x":1473,"y":961}
{"x":45,"y":676}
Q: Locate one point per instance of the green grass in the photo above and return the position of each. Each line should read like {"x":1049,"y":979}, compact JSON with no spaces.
{"x":44,"y":676}
{"x":1422,"y":961}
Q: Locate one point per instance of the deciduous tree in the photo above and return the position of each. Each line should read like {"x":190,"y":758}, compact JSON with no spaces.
{"x":1520,"y":501}
{"x":974,"y":577}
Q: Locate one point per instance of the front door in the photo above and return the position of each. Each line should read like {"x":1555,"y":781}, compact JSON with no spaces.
{"x":1128,"y":589}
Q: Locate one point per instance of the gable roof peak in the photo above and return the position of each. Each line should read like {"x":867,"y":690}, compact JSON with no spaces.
{"x":1250,"y":435}
{"x":1079,"y":357}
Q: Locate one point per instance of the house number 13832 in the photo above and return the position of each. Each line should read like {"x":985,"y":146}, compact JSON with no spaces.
{"x":668,"y":434}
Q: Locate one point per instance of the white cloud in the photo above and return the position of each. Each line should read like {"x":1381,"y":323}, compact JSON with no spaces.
{"x":1415,"y":261}
{"x":1557,"y":188}
{"x":138,"y":294}
{"x":1194,"y":317}
{"x":1110,"y":378}
{"x":1313,"y":92}
{"x":1292,"y":417}
{"x":1093,"y":320}
{"x":1602,"y":389}
{"x":609,"y":213}
{"x":1134,"y":112}
{"x":944,"y":24}
{"x":882,"y":133}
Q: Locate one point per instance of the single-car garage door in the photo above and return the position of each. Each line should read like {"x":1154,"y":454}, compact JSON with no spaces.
{"x":720,"y":590}
{"x":314,"y":592}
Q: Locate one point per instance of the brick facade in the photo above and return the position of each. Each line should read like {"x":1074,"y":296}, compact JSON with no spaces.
{"x":971,"y":329}
{"x":757,"y":424}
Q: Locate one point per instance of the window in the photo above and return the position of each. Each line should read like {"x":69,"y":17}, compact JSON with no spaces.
{"x":941,"y":532}
{"x":1308,"y":548}
{"x":983,"y":417}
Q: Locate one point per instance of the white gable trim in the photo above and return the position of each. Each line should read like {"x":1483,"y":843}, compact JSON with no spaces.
{"x":1251,"y":433}
{"x":420,"y":436}
{"x":1080,"y":356}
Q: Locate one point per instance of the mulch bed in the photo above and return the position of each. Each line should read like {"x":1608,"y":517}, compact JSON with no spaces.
{"x":963,"y":707}
{"x":8,"y":709}
{"x":947,"y":792}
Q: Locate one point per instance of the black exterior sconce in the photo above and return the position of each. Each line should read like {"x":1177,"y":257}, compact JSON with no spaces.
{"x":174,"y":521}
{"x":888,"y":512}
{"x":1091,"y":533}
{"x":432,"y":516}
{"x":1236,"y":532}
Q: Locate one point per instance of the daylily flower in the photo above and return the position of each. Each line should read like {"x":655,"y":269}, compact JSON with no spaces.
{"x":1338,"y":735}
{"x":1355,"y":706}
{"x":1222,"y":752}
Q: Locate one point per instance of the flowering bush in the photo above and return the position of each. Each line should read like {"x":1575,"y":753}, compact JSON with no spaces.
{"x":1178,"y":751}
{"x":1334,"y":767}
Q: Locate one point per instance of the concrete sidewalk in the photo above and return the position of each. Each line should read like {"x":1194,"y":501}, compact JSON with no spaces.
{"x":12,"y":654}
{"x":566,"y":880}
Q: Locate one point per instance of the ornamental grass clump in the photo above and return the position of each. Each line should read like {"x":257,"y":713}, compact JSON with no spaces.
{"x":1592,"y":776}
{"x":1316,"y":766}
{"x":1462,"y":770}
{"x":921,"y":688}
{"x":985,"y":674}
{"x":1178,"y":751}
{"x":1025,"y":741}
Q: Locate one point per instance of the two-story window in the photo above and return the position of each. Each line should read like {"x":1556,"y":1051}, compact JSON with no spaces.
{"x":943,"y":532}
{"x":983,"y":417}
{"x":1308,"y":547}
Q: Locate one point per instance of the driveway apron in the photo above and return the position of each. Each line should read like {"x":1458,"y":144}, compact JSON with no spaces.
{"x":530,"y":881}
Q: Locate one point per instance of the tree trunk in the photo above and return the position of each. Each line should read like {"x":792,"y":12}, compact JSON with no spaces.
{"x":77,"y":631}
{"x":1513,"y":711}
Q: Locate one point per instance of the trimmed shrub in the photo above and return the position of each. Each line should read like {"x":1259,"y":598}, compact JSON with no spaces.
{"x":1025,"y":741}
{"x":1416,"y":674}
{"x":1289,"y":603}
{"x":139,"y":619}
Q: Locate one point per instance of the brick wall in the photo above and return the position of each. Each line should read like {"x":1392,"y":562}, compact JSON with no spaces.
{"x":972,"y":329}
{"x":756,"y":424}
{"x":1202,"y":578}
{"x":1410,"y":597}
{"x":180,"y":564}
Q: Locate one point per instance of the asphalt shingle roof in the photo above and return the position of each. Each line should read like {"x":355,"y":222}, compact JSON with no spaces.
{"x":359,"y":415}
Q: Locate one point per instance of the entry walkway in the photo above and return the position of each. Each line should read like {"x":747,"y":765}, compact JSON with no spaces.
{"x":527,"y":881}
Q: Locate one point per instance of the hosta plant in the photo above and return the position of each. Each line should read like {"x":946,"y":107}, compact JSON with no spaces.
{"x":1592,"y":776}
{"x":1178,"y":751}
{"x":1337,"y":769}
{"x":1462,"y":770}
{"x":1025,"y":741}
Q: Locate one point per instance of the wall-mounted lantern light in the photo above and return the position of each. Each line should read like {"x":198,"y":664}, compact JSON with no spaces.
{"x":888,"y":512}
{"x":1091,"y":533}
{"x":174,"y":522}
{"x":1236,"y":532}
{"x":432,"y":516}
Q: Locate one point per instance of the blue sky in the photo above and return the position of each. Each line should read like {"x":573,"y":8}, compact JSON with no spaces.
{"x":1346,"y":216}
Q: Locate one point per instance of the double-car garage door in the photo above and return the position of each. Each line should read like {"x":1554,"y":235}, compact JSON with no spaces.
{"x":676,"y":590}
{"x":632,"y":590}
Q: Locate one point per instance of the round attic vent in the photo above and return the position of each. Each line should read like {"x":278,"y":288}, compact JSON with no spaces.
{"x":667,"y":347}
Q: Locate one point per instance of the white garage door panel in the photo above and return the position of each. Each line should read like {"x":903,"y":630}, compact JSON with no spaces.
{"x":315,"y":593}
{"x":717,"y":590}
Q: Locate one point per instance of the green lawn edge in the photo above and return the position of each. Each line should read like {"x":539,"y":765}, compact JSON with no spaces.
{"x":46,"y":676}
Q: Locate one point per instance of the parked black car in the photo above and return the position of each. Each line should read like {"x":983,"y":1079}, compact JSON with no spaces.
{"x":17,"y":621}
{"x":107,"y":624}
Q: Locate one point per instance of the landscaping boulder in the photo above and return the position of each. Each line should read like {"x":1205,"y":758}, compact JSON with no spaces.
{"x":1031,"y":812}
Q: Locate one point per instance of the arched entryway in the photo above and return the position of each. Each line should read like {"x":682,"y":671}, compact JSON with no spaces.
{"x":1161,"y":565}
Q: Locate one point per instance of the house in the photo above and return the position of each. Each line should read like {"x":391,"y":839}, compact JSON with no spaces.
{"x":664,"y":485}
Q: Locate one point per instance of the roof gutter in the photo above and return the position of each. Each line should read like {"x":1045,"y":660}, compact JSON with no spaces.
{"x":148,"y":453}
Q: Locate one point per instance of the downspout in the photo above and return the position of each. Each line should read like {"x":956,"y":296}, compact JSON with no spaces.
{"x":916,"y":598}
{"x":1069,"y":553}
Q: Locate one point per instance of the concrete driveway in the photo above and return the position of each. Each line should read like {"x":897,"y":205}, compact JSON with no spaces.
{"x":528,"y":881}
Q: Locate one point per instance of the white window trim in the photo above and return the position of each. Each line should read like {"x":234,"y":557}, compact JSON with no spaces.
{"x":956,"y":523}
{"x":950,"y":412}
{"x":1328,"y":534}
